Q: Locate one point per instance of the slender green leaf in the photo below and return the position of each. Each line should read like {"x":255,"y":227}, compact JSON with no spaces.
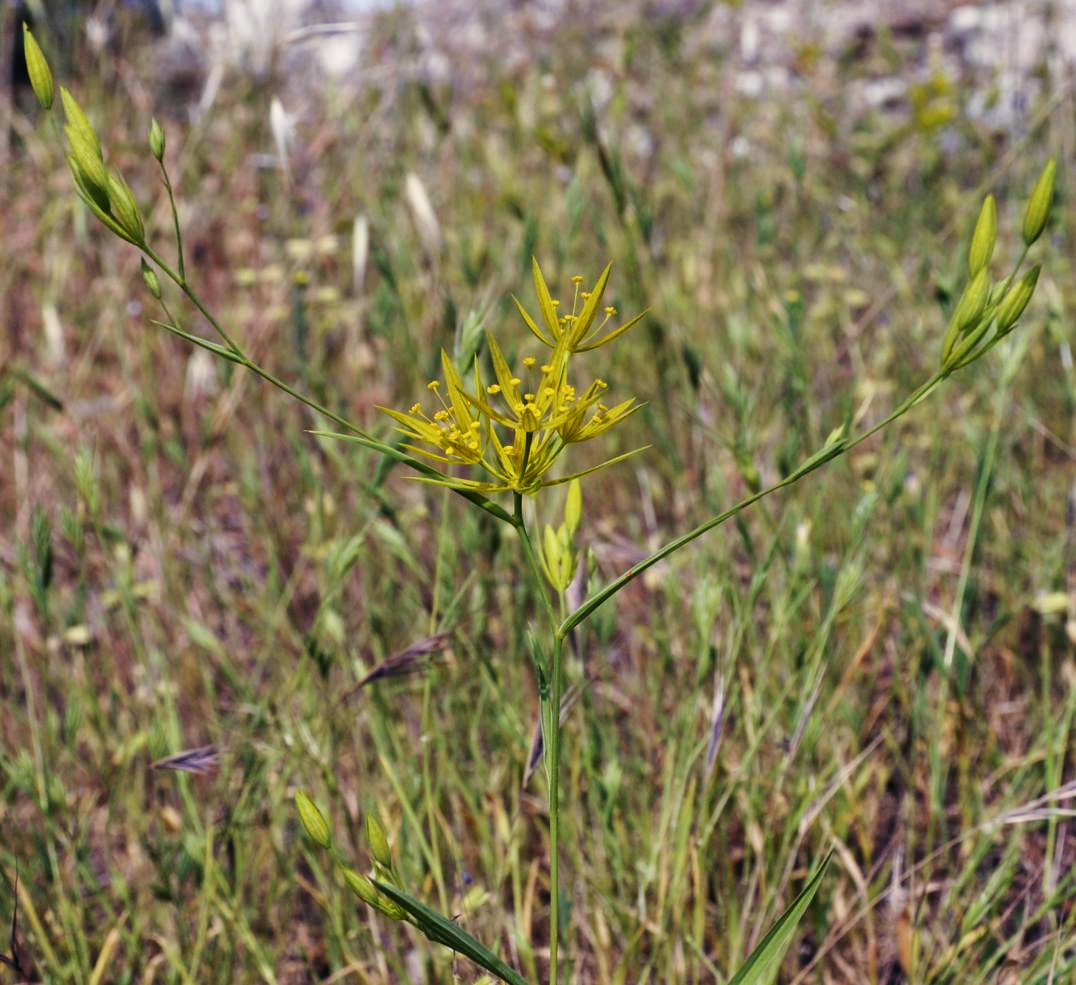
{"x":441,"y":930}
{"x":765,"y":961}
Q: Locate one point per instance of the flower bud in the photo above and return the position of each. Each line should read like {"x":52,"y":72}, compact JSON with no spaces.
{"x":573,"y":507}
{"x":125,"y":209}
{"x":379,"y":844}
{"x":972,"y":302}
{"x":1038,"y":206}
{"x":984,"y":237}
{"x":367,"y":892}
{"x":86,"y":159}
{"x":149,"y":275}
{"x":156,"y":140}
{"x":37,"y":68}
{"x":1014,"y":303}
{"x":77,"y":120}
{"x":313,"y":820}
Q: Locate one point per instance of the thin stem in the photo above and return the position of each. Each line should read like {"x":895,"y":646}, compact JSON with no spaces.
{"x":175,"y":222}
{"x":551,"y":726}
{"x":554,"y":806}
{"x":238,"y":355}
{"x":820,"y":458}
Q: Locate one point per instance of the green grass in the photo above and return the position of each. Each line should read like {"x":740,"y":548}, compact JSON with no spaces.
{"x":876,"y":661}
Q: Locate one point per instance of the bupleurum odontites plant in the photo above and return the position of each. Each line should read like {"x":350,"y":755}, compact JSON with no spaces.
{"x":496,"y":439}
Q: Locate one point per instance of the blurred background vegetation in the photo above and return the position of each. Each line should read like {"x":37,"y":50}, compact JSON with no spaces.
{"x":879,"y":660}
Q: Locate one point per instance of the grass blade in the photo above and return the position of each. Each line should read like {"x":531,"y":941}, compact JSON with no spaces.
{"x":762,"y":966}
{"x":443,"y":931}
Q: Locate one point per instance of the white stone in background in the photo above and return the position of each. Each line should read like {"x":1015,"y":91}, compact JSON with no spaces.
{"x":885,"y":92}
{"x":750,"y":41}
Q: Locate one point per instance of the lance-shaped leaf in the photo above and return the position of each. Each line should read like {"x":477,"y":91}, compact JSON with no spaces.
{"x":441,"y":930}
{"x":765,"y":960}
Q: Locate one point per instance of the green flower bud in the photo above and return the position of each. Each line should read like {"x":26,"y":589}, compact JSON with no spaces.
{"x":1038,"y":206}
{"x":77,"y":120}
{"x":86,"y":158}
{"x":367,"y":892}
{"x":37,"y":68}
{"x":573,"y":507}
{"x":1014,"y":303}
{"x":972,"y":302}
{"x":149,"y":275}
{"x":156,"y":139}
{"x":313,"y":820}
{"x":125,"y":209}
{"x":984,"y":237}
{"x":360,"y":886}
{"x":379,"y":844}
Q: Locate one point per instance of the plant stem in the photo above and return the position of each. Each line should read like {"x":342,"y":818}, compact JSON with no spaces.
{"x":554,"y":805}
{"x":820,"y":458}
{"x":551,"y":730}
{"x":238,"y":355}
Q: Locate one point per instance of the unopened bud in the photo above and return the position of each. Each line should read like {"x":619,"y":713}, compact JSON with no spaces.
{"x":972,"y":302}
{"x":125,"y":209}
{"x":152,"y":281}
{"x":156,"y":139}
{"x":573,"y":507}
{"x":367,"y":892}
{"x":77,"y":120}
{"x":379,"y":844}
{"x":86,"y":158}
{"x":984,"y":237}
{"x":313,"y":820}
{"x":1038,"y":206}
{"x":1018,"y":298}
{"x":37,"y":68}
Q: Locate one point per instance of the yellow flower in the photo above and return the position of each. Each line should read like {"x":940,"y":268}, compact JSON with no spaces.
{"x":578,"y":327}
{"x":516,"y":427}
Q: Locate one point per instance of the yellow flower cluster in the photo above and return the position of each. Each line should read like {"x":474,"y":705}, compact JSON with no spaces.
{"x":516,"y":427}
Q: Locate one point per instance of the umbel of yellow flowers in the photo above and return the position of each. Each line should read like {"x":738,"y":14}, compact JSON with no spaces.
{"x":515,"y":427}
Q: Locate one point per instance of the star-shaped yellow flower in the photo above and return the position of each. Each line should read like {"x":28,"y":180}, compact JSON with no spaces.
{"x":516,"y":427}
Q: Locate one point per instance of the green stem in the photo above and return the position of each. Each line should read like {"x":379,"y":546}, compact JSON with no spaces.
{"x":551,"y":729}
{"x":554,"y":805}
{"x":815,"y":461}
{"x":175,"y":223}
{"x":239,"y":356}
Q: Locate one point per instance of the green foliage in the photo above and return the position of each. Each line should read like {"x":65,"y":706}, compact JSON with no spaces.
{"x":814,"y":679}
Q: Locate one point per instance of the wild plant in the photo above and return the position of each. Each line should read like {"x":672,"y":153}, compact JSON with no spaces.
{"x":494,"y":434}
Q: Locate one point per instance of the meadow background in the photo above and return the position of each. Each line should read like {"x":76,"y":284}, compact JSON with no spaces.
{"x":879,"y":660}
